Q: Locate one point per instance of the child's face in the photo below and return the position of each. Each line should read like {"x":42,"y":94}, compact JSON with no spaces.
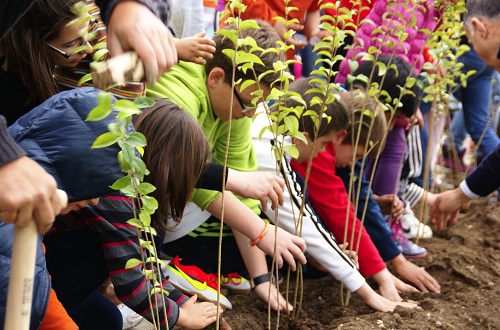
{"x":75,"y":206}
{"x":220,"y":94}
{"x":344,"y":153}
{"x":69,"y":38}
{"x":314,"y":147}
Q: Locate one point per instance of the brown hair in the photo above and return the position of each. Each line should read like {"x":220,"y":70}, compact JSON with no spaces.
{"x":25,"y":50}
{"x":175,"y":155}
{"x":265,"y":37}
{"x":371,"y":126}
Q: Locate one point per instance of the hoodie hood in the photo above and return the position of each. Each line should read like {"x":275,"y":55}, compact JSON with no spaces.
{"x":56,"y":136}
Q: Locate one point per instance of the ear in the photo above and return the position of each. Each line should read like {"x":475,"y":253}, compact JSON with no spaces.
{"x":479,"y":25}
{"x":339,"y":136}
{"x":215,"y":76}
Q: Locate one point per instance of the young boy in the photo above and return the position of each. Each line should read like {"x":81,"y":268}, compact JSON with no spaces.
{"x":206,"y":93}
{"x":321,"y":245}
{"x":374,"y":222}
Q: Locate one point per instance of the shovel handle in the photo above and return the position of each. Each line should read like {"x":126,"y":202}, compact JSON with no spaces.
{"x":22,"y":270}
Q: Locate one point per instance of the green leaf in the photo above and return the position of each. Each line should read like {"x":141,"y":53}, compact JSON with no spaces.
{"x":84,"y":79}
{"x":105,"y":140}
{"x":292,"y":124}
{"x":145,"y":219}
{"x":131,"y":263}
{"x":136,"y":139}
{"x":291,"y":150}
{"x":246,"y":83}
{"x":126,"y":108}
{"x":136,"y":223}
{"x":121,"y":183}
{"x":99,"y":113}
{"x":144,"y":102}
{"x":100,"y":55}
{"x":146,"y":188}
{"x":231,"y":34}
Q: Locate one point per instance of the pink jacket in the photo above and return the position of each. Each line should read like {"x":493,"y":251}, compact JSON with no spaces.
{"x":390,"y":19}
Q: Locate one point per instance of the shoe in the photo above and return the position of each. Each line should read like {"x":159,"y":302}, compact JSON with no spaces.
{"x":412,"y":227}
{"x":193,"y":280}
{"x":236,"y":283}
{"x":406,"y":247}
{"x":130,"y":318}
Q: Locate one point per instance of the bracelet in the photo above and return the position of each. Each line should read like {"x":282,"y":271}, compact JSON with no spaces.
{"x":261,"y":279}
{"x":261,"y":236}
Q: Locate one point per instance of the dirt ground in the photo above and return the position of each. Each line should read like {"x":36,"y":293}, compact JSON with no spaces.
{"x":465,"y":259}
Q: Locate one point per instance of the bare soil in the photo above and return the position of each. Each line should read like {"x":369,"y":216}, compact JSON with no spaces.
{"x":465,"y":259}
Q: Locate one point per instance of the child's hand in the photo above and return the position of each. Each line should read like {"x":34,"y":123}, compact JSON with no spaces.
{"x":276,"y":300}
{"x":390,"y":205}
{"x":197,"y":316}
{"x":196,"y":49}
{"x":288,"y":247}
{"x":379,"y":303}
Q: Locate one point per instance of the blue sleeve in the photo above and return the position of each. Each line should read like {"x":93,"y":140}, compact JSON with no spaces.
{"x":377,"y":228}
{"x":486,"y":178}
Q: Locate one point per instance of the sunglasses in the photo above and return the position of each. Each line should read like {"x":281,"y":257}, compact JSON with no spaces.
{"x":244,"y":108}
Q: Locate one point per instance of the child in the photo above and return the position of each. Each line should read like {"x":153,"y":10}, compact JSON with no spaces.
{"x":329,"y":198}
{"x":378,"y":229}
{"x":206,"y":93}
{"x":90,"y":244}
{"x":321,"y":245}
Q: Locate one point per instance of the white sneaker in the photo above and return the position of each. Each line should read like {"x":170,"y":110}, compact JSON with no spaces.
{"x":130,"y":318}
{"x":412,"y":227}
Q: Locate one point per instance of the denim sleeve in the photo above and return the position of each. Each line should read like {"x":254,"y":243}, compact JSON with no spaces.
{"x":374,"y":223}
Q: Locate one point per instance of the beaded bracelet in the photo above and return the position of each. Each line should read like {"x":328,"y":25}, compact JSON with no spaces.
{"x":261,"y":236}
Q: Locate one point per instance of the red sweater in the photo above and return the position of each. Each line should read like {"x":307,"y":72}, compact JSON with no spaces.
{"x":329,"y":199}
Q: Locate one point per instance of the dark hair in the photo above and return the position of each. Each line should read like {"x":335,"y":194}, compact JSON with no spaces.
{"x":24,"y":46}
{"x":482,"y":8}
{"x":336,"y":110}
{"x":265,"y":37}
{"x":175,"y":155}
{"x":371,"y":128}
{"x":393,"y":81}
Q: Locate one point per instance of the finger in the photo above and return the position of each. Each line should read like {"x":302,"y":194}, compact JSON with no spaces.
{"x":295,"y":27}
{"x":273,"y":196}
{"x":288,"y":256}
{"x":299,"y":242}
{"x":114,"y":44}
{"x":200,"y":34}
{"x":263,"y":202}
{"x":25,"y":216}
{"x":172,"y":55}
{"x":9,"y":216}
{"x":279,"y":189}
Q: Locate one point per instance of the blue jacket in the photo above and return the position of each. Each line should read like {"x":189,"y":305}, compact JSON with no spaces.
{"x":56,"y":136}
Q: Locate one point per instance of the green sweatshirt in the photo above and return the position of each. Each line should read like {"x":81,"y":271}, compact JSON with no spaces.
{"x":185,"y":84}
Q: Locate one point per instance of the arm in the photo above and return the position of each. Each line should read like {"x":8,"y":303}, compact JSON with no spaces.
{"x":240,"y":218}
{"x":256,"y":264}
{"x":27,"y":189}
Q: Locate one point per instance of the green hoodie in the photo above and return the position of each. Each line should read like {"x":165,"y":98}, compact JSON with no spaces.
{"x":185,"y":84}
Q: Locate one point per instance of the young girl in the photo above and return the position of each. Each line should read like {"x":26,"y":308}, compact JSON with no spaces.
{"x":91,"y":243}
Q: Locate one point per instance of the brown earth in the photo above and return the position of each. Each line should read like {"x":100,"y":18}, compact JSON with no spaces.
{"x":465,"y":259}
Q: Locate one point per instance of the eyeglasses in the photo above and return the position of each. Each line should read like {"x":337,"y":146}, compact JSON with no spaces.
{"x":498,"y":54}
{"x":244,"y":108}
{"x":63,"y":53}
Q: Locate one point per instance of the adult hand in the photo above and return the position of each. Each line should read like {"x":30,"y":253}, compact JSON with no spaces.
{"x":288,"y":247}
{"x":28,"y":192}
{"x":416,"y":275}
{"x":132,"y":26}
{"x":257,"y":185}
{"x":390,"y":205}
{"x":446,"y":207}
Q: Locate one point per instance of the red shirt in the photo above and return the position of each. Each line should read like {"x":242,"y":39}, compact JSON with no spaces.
{"x":329,"y":199}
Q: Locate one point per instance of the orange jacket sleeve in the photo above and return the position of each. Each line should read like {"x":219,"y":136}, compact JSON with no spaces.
{"x":56,"y":317}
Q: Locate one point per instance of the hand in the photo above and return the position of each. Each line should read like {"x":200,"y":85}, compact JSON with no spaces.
{"x":196,"y":49}
{"x":276,"y":300}
{"x":281,"y":29}
{"x":288,"y":247}
{"x":446,"y":207}
{"x":417,"y":275}
{"x":379,"y":303}
{"x":390,"y":205}
{"x":257,"y":185}
{"x":132,"y":26}
{"x":197,"y":316}
{"x":28,"y":192}
{"x":419,"y":119}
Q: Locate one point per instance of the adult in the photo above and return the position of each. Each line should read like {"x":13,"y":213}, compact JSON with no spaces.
{"x":482,"y":23}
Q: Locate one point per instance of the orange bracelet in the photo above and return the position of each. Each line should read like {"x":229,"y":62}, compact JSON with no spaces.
{"x":261,"y":236}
